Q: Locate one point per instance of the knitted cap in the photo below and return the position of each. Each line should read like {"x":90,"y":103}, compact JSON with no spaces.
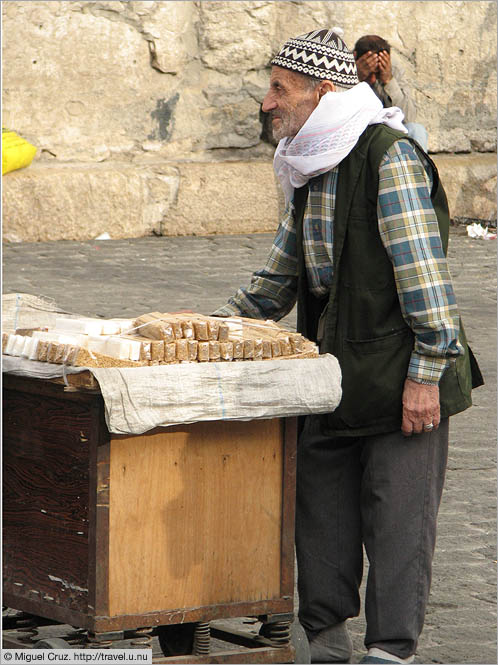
{"x":321,"y":54}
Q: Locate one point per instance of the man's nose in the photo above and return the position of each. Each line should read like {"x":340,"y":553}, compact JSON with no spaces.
{"x":268,"y":103}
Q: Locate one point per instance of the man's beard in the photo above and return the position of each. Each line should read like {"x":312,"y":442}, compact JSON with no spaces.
{"x":290,"y":122}
{"x":289,"y":126}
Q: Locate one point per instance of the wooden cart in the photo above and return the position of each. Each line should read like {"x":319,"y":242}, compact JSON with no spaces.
{"x":153,"y":534}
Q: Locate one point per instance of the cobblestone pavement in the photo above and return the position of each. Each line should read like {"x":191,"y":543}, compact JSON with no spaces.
{"x":129,"y":277}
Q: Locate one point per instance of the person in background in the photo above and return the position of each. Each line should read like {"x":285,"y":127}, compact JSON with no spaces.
{"x":388,"y":80}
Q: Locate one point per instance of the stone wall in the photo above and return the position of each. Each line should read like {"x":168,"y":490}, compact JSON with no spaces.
{"x":146,"y":114}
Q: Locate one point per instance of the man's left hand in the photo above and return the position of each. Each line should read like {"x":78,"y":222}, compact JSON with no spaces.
{"x":384,"y":73}
{"x":420,"y":407}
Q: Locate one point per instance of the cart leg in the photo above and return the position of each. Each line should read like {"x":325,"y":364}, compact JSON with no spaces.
{"x":276,"y":628}
{"x":141,"y":638}
{"x":202,"y":639}
{"x":103,"y":640}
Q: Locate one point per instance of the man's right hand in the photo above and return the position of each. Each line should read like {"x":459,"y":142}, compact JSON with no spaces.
{"x":367,"y":65}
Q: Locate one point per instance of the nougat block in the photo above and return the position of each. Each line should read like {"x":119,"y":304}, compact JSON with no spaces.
{"x":203,"y":352}
{"x":70,"y":354}
{"x":285,"y":346}
{"x":182,"y":349}
{"x":214,"y":350}
{"x":188,"y":329}
{"x":154,"y":328}
{"x":52,"y":352}
{"x":238,"y":349}
{"x":297,"y":343}
{"x":201,"y":331}
{"x":226,"y":350}
{"x":213,"y":328}
{"x":275,"y":348}
{"x":146,"y":350}
{"x":157,"y":349}
{"x":60,"y":353}
{"x":43,"y":350}
{"x":266,"y":348}
{"x":223,"y":332}
{"x":248,"y":349}
{"x":170,"y":352}
{"x":192,"y":346}
{"x":177,"y":328}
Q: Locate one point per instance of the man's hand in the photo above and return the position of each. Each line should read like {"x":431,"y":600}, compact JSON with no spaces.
{"x":420,"y":407}
{"x":384,"y":73}
{"x":367,"y":65}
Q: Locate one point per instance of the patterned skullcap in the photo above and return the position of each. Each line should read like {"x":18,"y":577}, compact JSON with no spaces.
{"x":321,"y":54}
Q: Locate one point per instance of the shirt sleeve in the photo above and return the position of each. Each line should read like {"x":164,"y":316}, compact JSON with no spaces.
{"x":410,"y":233}
{"x":272,"y":291}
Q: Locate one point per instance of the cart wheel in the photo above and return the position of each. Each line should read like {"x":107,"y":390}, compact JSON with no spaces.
{"x":300,"y":643}
{"x":52,"y":643}
{"x":177,"y":639}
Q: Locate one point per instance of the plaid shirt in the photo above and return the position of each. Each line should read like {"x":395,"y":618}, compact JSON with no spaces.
{"x":409,"y":231}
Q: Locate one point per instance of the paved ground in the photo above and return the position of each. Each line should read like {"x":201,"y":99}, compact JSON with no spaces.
{"x":130,"y":277}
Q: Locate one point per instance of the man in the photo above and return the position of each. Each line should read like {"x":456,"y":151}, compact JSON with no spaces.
{"x":388,"y":80}
{"x":362,"y":247}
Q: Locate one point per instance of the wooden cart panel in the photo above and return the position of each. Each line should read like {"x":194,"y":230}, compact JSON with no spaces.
{"x":45,"y":499}
{"x":195,"y":516}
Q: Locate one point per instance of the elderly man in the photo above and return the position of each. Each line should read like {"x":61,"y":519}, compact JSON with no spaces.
{"x":361,"y":247}
{"x":388,"y":80}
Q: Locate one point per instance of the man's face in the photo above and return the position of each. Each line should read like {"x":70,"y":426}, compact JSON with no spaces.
{"x":289,"y":101}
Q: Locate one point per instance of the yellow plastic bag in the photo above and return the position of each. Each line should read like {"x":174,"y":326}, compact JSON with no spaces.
{"x":16,"y":151}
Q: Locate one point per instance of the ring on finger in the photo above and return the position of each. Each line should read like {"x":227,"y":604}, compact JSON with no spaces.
{"x":428,"y":427}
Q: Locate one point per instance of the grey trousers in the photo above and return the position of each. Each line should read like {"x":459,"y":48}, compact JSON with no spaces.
{"x":382,"y":492}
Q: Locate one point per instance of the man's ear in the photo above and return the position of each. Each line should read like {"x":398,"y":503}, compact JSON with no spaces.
{"x":324,"y":87}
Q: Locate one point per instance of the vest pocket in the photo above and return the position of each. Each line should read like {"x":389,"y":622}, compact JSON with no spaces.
{"x":374,"y":372}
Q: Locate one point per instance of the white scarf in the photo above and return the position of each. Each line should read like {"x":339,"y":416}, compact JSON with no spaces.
{"x":329,"y":135}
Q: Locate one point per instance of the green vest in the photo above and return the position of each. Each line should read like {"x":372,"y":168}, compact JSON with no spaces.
{"x":363,"y":325}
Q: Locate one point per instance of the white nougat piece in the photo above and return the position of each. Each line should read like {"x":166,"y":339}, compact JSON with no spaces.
{"x":95,"y":343}
{"x":33,"y":351}
{"x":11,"y":340}
{"x":26,"y":347}
{"x":125,"y":326}
{"x":18,"y":345}
{"x":83,"y":325}
{"x":134,"y":350}
{"x":110,"y":327}
{"x":116,"y":347}
{"x":62,"y":337}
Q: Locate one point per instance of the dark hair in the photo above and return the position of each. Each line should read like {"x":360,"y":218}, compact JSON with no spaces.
{"x":371,"y":43}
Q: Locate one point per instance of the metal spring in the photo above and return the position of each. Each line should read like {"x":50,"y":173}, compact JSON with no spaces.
{"x":279,"y":633}
{"x":202,"y":639}
{"x":142,"y":638}
{"x":28,"y":626}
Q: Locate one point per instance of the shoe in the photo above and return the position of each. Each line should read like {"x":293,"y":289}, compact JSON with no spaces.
{"x":331,"y":645}
{"x":379,"y":656}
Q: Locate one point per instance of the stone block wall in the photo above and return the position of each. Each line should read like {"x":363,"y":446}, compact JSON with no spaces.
{"x":146,"y":114}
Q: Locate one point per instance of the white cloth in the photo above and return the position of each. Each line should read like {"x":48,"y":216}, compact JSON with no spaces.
{"x":142,"y":398}
{"x":138,"y":399}
{"x":330,"y":133}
